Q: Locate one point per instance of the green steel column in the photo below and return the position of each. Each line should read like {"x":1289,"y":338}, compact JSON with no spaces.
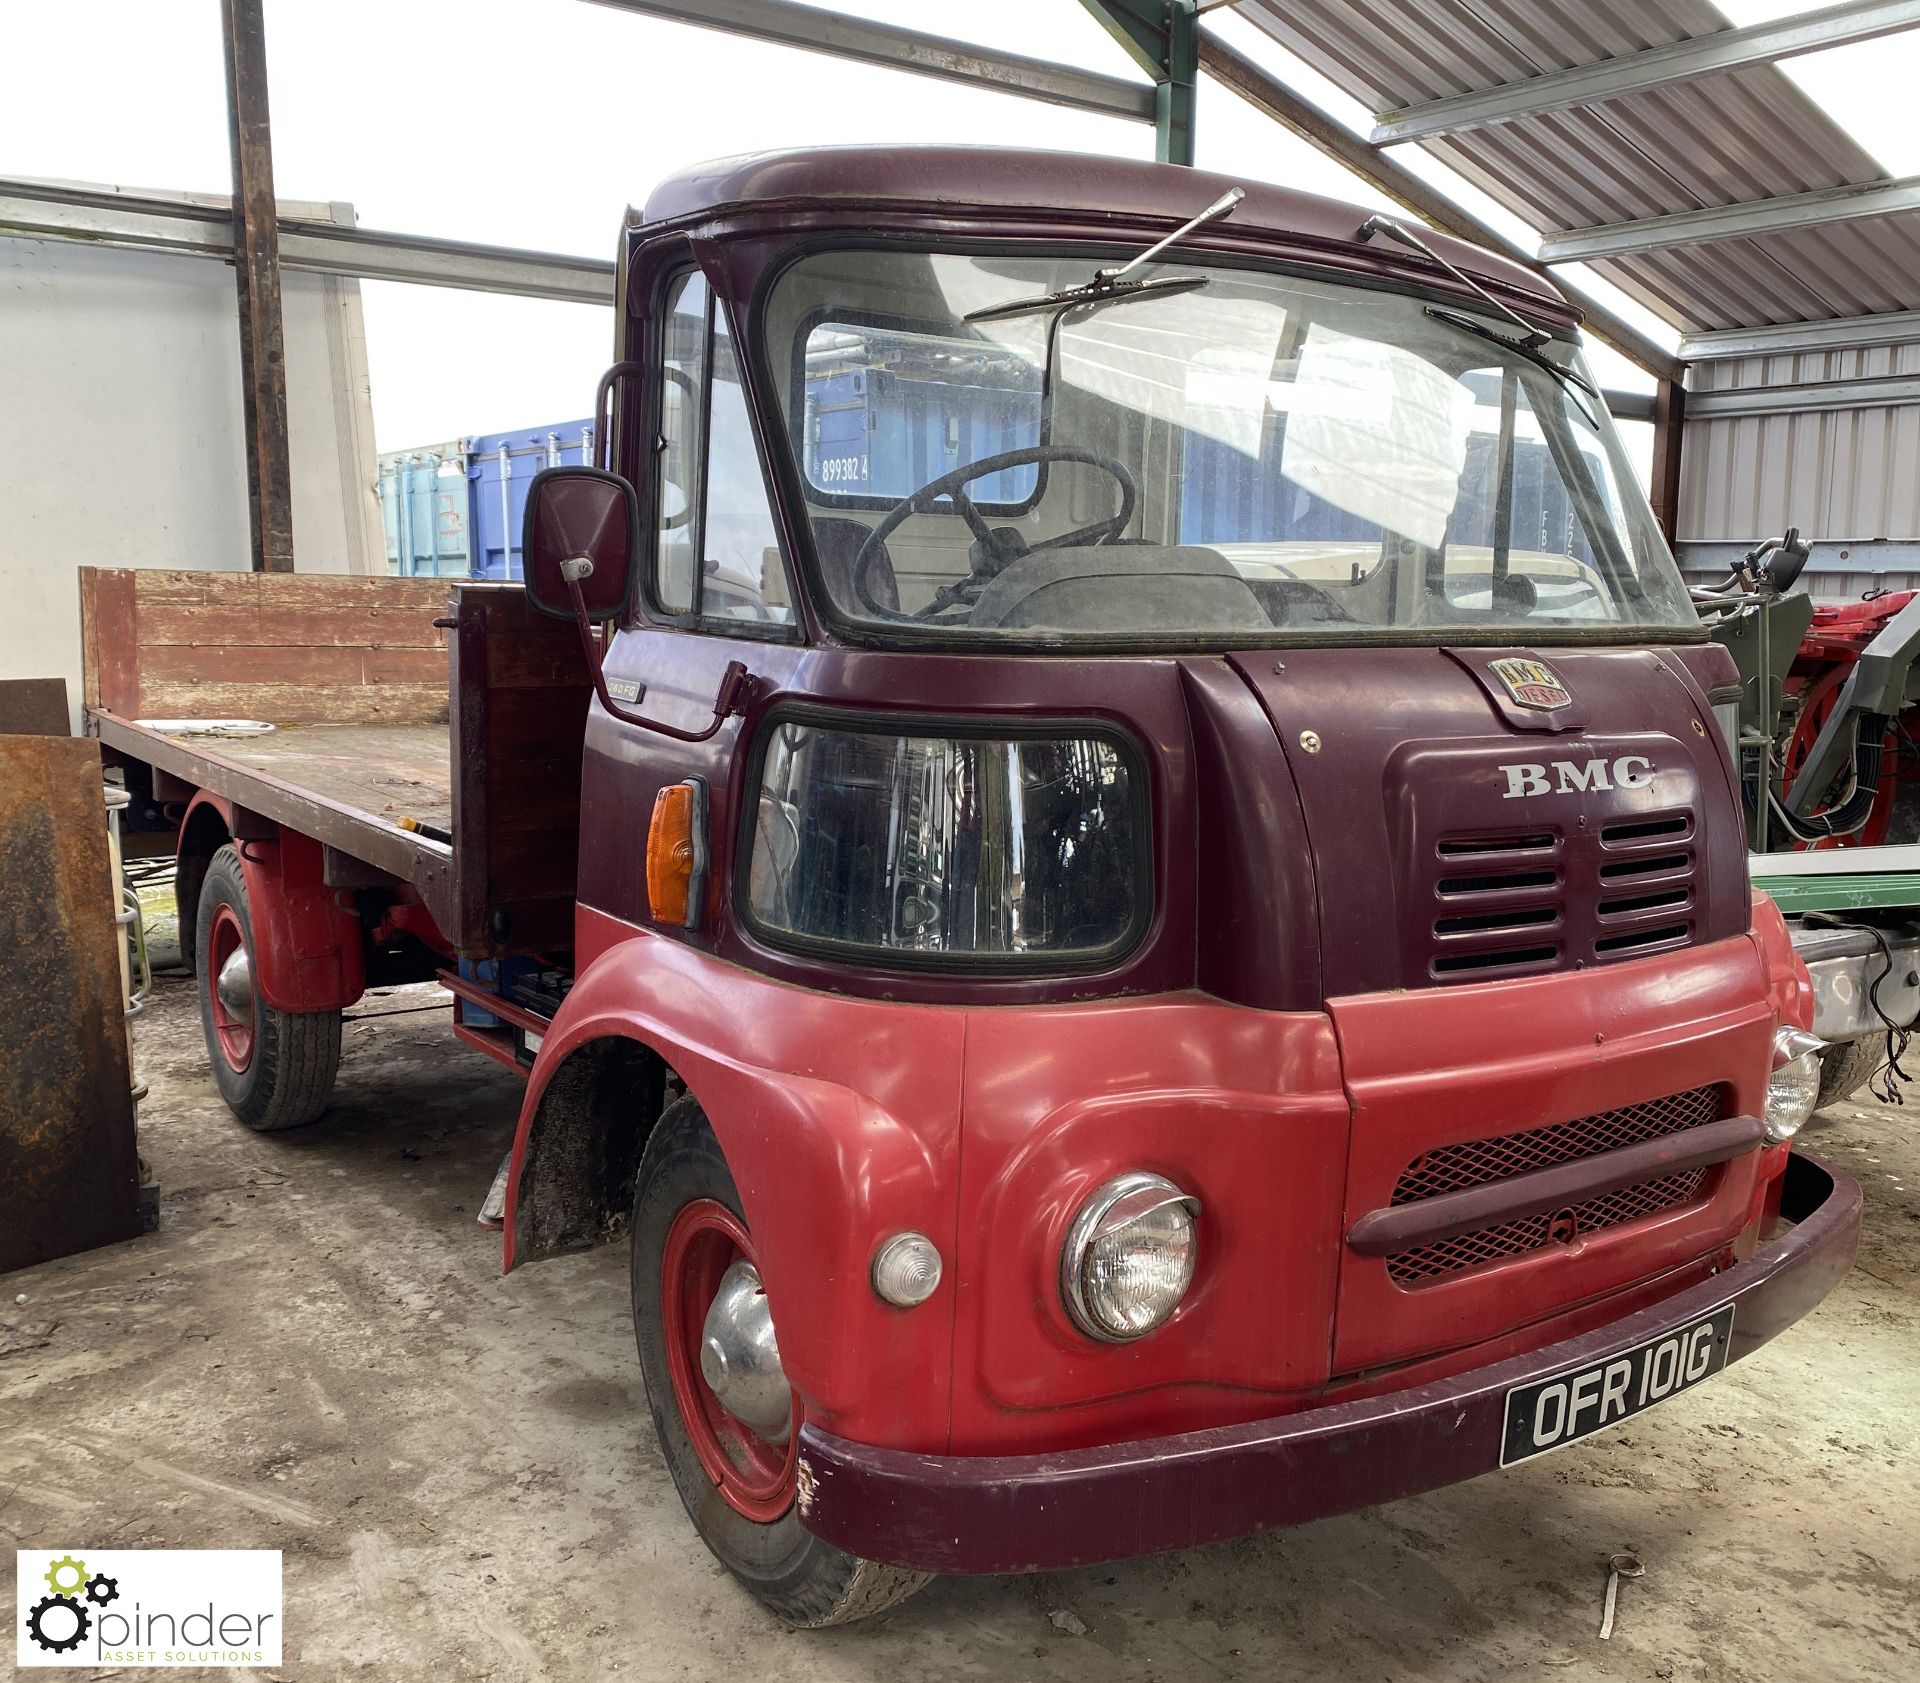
{"x":1163,"y":38}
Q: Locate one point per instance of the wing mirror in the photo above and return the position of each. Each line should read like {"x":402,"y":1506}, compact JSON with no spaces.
{"x":577,"y":550}
{"x":578,"y":543}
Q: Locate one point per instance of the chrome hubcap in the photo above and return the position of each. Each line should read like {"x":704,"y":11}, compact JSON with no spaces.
{"x":234,"y":986}
{"x":739,"y":1358}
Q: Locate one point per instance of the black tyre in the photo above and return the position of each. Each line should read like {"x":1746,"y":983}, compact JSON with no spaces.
{"x":274,"y":1068}
{"x":737,"y":1485}
{"x":1846,"y":1068}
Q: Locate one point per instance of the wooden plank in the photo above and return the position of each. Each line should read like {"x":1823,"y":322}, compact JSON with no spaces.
{"x":288,"y":704}
{"x":294,"y":593}
{"x":33,"y":707}
{"x":525,"y":724}
{"x":405,"y":666}
{"x":541,"y":792}
{"x":534,"y":868}
{"x":521,"y":693}
{"x":394,"y":625}
{"x":179,"y":664}
{"x":193,"y":664}
{"x":256,"y":270}
{"x":526,"y":659}
{"x":472,"y":755}
{"x":109,"y":635}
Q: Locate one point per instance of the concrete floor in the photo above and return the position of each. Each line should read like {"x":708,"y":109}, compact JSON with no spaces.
{"x":317,"y":1353}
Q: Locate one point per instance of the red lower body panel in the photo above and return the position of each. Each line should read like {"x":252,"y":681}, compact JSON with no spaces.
{"x":849,"y":1120}
{"x":1026,"y":1513}
{"x":1437,"y":1068}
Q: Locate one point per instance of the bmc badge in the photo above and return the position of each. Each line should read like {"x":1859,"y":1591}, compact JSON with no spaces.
{"x":1531,"y":684}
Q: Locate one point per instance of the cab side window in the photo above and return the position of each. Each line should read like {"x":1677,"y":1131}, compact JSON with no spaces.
{"x":718,"y":551}
{"x":677,"y":472}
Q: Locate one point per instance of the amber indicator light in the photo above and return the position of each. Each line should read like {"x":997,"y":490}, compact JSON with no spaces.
{"x":677,"y":853}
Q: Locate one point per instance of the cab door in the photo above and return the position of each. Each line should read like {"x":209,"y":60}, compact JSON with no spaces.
{"x":714,"y":589}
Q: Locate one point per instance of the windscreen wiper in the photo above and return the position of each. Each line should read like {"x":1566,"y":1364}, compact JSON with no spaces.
{"x":1521,"y":348}
{"x":1533,"y":335}
{"x":1110,"y":284}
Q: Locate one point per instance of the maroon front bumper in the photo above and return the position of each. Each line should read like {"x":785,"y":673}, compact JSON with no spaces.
{"x":1026,"y":1513}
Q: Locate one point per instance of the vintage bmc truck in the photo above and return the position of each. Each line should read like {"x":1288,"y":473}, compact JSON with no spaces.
{"x":1167,"y":954}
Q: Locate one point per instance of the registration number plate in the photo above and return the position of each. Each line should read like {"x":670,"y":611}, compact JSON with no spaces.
{"x":1577,"y":1403}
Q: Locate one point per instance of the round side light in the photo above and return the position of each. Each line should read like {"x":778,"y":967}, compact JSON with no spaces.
{"x":906,"y":1270}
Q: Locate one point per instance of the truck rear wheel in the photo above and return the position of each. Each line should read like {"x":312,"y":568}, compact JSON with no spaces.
{"x":1847,"y":1067}
{"x":274,"y":1068}
{"x":691,"y":1244}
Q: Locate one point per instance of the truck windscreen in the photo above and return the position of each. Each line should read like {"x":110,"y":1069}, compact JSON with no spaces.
{"x":1243,"y":455}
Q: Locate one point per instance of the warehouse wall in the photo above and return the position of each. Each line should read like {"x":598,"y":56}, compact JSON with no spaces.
{"x":121,"y":438}
{"x":1847,"y":475}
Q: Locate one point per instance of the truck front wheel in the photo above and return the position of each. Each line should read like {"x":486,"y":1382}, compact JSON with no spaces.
{"x":696,"y":1283}
{"x":1846,"y":1068}
{"x":274,"y":1068}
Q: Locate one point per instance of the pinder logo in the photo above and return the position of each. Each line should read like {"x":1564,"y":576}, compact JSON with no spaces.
{"x":148,"y":1607}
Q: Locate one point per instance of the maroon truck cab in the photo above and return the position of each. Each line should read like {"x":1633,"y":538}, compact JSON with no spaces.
{"x":1163,"y":943}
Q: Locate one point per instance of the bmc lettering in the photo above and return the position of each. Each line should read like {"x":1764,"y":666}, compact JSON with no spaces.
{"x":1575,"y":777}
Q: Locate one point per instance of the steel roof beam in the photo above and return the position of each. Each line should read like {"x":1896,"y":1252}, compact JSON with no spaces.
{"x":1897,"y":327}
{"x":1853,"y":203}
{"x":1631,"y":73}
{"x":1160,"y":37}
{"x":815,"y":30}
{"x":1878,"y":393}
{"x":1267,"y":94}
{"x":40,"y":210}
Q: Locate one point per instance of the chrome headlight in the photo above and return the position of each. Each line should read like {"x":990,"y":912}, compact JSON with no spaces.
{"x":1128,"y":1259}
{"x":1795,"y":1083}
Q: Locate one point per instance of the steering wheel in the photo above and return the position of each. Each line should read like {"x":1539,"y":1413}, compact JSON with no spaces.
{"x":993,"y":549}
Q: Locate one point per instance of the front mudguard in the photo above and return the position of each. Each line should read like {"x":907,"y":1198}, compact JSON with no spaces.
{"x":840,"y":1120}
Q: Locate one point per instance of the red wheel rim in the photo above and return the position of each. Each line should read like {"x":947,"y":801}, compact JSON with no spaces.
{"x":755,"y":1478}
{"x":233,"y":1030}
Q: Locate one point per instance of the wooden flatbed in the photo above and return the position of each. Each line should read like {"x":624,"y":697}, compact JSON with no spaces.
{"x":386,"y":696}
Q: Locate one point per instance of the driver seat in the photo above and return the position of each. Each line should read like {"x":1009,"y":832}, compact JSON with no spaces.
{"x":837,"y":543}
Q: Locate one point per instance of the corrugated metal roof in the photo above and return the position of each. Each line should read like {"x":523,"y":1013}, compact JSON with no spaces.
{"x":1749,"y":134}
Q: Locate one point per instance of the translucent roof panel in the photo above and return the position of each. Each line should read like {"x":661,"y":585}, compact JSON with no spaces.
{"x":1724,"y":139}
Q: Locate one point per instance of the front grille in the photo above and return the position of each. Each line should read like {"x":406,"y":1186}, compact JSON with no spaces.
{"x":1453,"y":1168}
{"x":1536,"y":1232}
{"x":1522,"y":902}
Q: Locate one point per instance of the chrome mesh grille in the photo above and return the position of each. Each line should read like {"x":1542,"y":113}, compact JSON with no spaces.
{"x":1475,"y":1162}
{"x":1453,"y":1168}
{"x":1536,"y":1232}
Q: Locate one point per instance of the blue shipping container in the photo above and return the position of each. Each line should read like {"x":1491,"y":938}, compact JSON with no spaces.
{"x":423,"y":507}
{"x":456,"y":509}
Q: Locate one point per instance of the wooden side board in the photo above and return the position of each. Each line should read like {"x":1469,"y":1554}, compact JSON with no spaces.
{"x":521,"y":691}
{"x":285,"y":648}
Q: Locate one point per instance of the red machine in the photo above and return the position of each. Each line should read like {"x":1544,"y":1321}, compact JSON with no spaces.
{"x":1169,"y":954}
{"x":1838,"y":636}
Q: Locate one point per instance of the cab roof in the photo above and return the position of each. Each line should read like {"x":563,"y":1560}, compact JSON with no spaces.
{"x":985,"y":183}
